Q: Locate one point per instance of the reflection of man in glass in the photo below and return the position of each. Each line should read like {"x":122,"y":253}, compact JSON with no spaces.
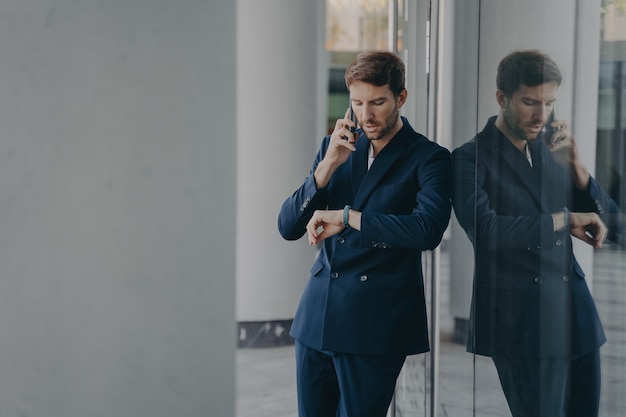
{"x":376,"y":199}
{"x":520,"y":194}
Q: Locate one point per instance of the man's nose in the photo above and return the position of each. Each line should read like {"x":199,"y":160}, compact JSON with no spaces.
{"x":543,"y":114}
{"x":367,"y":112}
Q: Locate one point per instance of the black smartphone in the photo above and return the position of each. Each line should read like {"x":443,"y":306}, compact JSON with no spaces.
{"x":548,"y":130}
{"x":353,"y":118}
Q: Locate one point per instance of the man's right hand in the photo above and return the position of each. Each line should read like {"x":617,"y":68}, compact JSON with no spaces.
{"x":588,"y":227}
{"x":341,"y":145}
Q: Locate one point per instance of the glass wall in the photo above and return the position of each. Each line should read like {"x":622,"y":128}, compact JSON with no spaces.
{"x":533,"y":283}
{"x":544,"y":294}
{"x":468,"y":40}
{"x":610,"y":262}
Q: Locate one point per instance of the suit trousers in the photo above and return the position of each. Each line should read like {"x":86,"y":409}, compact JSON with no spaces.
{"x":344,"y":385}
{"x":551,"y":387}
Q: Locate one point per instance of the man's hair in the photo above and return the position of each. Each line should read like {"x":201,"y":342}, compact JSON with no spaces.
{"x":529,"y":67}
{"x":378,"y":68}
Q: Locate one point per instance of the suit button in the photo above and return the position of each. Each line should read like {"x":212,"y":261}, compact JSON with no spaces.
{"x":565,"y":278}
{"x":305,"y":204}
{"x":363,"y":278}
{"x":334,"y":275}
{"x":341,"y":239}
{"x":599,"y":206}
{"x":537,"y":280}
{"x":558,"y":242}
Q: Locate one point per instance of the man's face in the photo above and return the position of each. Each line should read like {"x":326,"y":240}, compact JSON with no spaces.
{"x":526,"y":112}
{"x":376,"y":108}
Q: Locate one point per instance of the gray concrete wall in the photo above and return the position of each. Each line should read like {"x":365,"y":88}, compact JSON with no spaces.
{"x":117,"y":196}
{"x":278,"y":131}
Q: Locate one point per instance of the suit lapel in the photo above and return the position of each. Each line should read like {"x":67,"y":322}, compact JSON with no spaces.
{"x":553,"y":186}
{"x":517,"y":163}
{"x":382,"y":164}
{"x":358,"y":162}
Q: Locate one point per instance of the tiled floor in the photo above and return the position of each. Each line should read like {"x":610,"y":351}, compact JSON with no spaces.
{"x":468,"y":385}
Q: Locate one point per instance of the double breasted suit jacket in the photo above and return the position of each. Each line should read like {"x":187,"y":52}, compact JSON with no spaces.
{"x":530,"y":298}
{"x":365,"y":294}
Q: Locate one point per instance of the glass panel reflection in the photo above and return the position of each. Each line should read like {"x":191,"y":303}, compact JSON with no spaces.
{"x":523,"y":190}
{"x":470,"y":385}
{"x":609,"y":286}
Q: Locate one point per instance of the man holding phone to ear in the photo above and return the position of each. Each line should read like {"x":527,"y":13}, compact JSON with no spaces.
{"x":520,"y":194}
{"x":374,"y":200}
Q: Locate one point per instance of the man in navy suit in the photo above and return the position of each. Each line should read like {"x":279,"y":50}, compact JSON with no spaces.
{"x":520,"y":194}
{"x":375,"y":199}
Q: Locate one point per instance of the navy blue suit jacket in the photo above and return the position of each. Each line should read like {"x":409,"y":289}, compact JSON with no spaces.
{"x":365,"y":294}
{"x":530,"y":298}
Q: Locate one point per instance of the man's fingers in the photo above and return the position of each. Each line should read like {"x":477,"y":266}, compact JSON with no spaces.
{"x":559,"y":142}
{"x":350,"y":140}
{"x":589,"y":228}
{"x":342,"y":134}
{"x":600,"y":235}
{"x":346,"y":139}
{"x":311,"y":228}
{"x":324,"y":224}
{"x":584,"y":235}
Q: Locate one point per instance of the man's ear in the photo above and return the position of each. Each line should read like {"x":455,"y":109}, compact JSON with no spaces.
{"x":402,"y":98}
{"x":501,"y":98}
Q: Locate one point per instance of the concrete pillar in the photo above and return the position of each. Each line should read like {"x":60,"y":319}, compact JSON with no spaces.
{"x":279,"y":44}
{"x":485,"y":32}
{"x":117,"y":188}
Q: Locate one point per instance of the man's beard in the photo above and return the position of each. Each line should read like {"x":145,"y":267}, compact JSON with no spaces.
{"x":390,"y":122}
{"x":513,"y":123}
